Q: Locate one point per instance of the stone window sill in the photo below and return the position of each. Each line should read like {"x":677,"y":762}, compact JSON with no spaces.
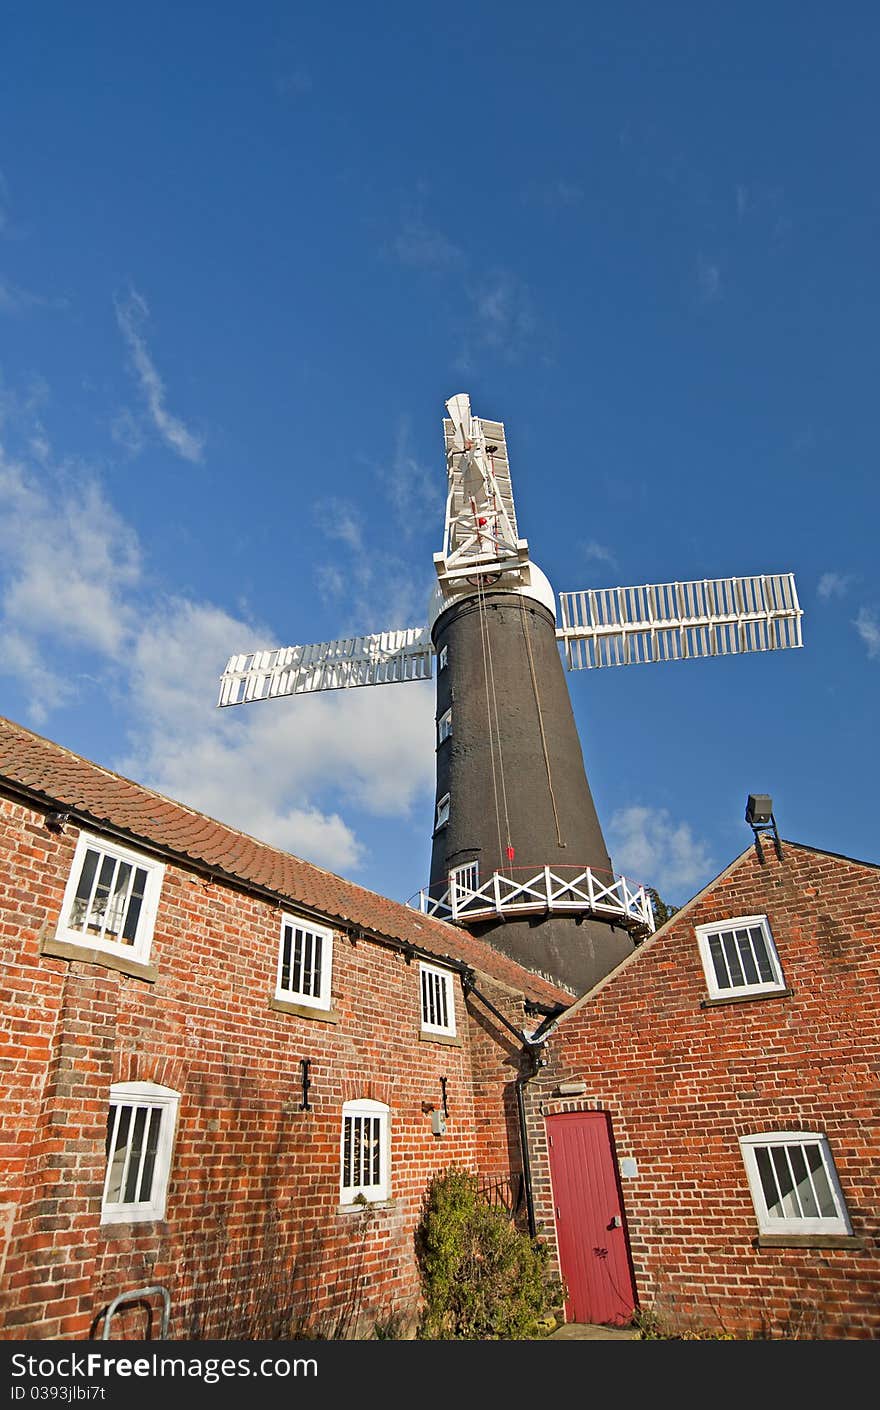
{"x":304,"y":1011}
{"x":86,"y":954}
{"x":809,"y":1241}
{"x":746,"y":998}
{"x":449,"y":1040}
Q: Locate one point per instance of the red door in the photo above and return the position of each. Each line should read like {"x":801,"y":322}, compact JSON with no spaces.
{"x":593,"y":1250}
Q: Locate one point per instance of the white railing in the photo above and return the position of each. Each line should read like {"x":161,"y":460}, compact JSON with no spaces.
{"x":586,"y":892}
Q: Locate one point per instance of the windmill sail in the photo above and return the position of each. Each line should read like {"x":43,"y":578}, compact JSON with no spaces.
{"x":676,"y":621}
{"x":380,"y":659}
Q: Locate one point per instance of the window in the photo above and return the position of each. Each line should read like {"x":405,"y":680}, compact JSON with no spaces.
{"x":443,"y":659}
{"x":111,"y":898}
{"x":140,"y":1134}
{"x":739,"y":957}
{"x":438,"y":1000}
{"x":364,"y":1154}
{"x":794,"y":1184}
{"x":442,"y":812}
{"x":444,"y":727}
{"x":305,"y":959}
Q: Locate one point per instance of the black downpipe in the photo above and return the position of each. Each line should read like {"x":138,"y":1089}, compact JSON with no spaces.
{"x":529,"y":1064}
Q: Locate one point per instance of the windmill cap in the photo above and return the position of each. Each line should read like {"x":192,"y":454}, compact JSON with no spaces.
{"x":539,"y":589}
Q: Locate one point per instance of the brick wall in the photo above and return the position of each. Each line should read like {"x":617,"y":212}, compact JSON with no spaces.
{"x":682,"y":1083}
{"x":254,"y":1193}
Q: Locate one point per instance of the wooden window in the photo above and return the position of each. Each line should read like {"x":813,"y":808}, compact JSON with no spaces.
{"x":443,"y":659}
{"x":442,"y":812}
{"x":305,"y":963}
{"x":794,"y":1184}
{"x":140,"y":1136}
{"x":111,"y":898}
{"x":438,"y":1000}
{"x":444,"y":727}
{"x":739,"y":957}
{"x":364,"y":1152}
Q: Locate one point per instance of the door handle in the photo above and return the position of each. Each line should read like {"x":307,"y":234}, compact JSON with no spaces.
{"x":616,"y":1222}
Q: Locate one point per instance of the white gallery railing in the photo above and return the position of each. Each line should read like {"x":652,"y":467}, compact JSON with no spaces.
{"x":545,"y":890}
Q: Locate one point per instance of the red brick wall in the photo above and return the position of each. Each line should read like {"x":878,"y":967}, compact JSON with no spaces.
{"x":682,"y":1082}
{"x":254,"y":1192}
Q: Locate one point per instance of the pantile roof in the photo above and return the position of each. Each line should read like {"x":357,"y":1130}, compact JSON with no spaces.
{"x":49,"y":773}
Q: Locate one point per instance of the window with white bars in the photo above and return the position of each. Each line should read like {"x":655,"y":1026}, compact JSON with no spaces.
{"x":438,"y":1000}
{"x":443,"y":658}
{"x":444,"y":726}
{"x":305,"y":961}
{"x":364,"y":1152}
{"x":111,"y":898}
{"x":739,"y":957}
{"x":140,"y":1136}
{"x":794,"y":1184}
{"x":442,"y":815}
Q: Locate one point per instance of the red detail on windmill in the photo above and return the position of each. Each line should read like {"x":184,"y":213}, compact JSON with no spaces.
{"x":511,"y":853}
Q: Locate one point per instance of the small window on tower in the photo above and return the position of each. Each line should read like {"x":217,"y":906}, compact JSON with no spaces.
{"x":443,"y":658}
{"x":442,"y":812}
{"x":444,"y":727}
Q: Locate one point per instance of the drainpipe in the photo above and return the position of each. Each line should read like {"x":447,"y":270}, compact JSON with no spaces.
{"x":530,"y":1061}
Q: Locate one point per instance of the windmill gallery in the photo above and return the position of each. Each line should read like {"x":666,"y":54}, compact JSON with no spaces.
{"x":230,"y":1075}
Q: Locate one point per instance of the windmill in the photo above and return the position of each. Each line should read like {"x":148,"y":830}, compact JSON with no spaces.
{"x":518,"y":854}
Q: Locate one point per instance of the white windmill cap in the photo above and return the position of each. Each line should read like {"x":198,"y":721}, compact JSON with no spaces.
{"x":539,"y":589}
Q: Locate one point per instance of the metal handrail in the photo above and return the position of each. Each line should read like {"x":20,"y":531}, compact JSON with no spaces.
{"x":137,"y":1296}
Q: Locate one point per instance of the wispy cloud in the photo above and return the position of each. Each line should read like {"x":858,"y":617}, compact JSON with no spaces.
{"x":417,"y":245}
{"x":594,"y":552}
{"x":833,"y":585}
{"x":558,"y":194}
{"x":131,"y":314}
{"x":15,"y":300}
{"x":649,"y":846}
{"x":294,"y":84}
{"x":504,"y":316}
{"x":867,"y":624}
{"x":708,"y":280}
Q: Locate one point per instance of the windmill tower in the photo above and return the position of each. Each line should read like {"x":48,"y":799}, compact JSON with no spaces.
{"x":518,"y":854}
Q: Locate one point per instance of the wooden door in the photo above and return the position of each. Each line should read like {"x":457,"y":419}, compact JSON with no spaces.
{"x":590,"y":1231}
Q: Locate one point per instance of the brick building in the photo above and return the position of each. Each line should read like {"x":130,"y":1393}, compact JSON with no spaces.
{"x":705,"y":1135}
{"x":226,"y":1073}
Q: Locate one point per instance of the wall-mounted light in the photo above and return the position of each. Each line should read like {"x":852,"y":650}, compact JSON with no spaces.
{"x":759,"y":816}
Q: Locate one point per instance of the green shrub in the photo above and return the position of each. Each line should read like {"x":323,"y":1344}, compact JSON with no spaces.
{"x":482,"y":1279}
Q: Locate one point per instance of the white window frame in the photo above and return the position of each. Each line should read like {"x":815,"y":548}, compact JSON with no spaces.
{"x":302,"y":991}
{"x":138,"y":948}
{"x":352,"y":1185}
{"x":794,"y":1221}
{"x":444,"y":727}
{"x":443,"y":658}
{"x":437,"y":999}
{"x":152,"y":1098}
{"x":706,"y":933}
{"x":442,"y":817}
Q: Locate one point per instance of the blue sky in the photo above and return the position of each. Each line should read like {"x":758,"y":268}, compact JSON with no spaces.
{"x":247,"y":253}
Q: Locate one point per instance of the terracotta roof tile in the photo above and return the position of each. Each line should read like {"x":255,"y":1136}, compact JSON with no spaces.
{"x":64,"y":779}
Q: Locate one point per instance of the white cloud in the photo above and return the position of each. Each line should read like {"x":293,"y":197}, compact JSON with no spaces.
{"x":833,"y":585}
{"x":649,"y":847}
{"x":131,"y":314}
{"x":503,"y":315}
{"x":76,"y":615}
{"x":421,"y":247}
{"x":597,"y":553}
{"x":867,"y":624}
{"x":16,"y":300}
{"x":708,"y":280}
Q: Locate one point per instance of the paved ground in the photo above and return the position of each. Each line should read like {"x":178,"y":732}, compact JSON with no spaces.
{"x":586,"y":1331}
